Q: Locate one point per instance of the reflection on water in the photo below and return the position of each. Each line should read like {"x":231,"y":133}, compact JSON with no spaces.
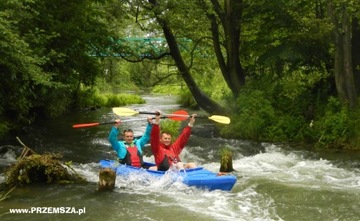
{"x":275,"y":181}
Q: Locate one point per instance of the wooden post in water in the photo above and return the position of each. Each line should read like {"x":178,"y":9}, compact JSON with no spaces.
{"x":226,"y":164}
{"x":107,"y":178}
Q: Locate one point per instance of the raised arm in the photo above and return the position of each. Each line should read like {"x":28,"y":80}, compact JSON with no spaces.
{"x":113,"y":139}
{"x":145,"y":137}
{"x":155,"y":136}
{"x":182,"y":140}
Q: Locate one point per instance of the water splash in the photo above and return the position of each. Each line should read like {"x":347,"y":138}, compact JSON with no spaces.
{"x":292,"y":168}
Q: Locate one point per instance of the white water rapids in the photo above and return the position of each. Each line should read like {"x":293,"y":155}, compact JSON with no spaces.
{"x":275,"y":182}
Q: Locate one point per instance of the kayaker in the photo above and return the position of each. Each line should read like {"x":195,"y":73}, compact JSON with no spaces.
{"x":166,"y":153}
{"x":129,"y":150}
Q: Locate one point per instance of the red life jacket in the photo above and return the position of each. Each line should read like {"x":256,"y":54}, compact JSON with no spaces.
{"x":169,"y":159}
{"x":172,"y":158}
{"x":132,"y":157}
{"x":135,"y":159}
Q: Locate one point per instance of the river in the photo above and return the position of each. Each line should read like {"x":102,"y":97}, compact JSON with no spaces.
{"x":275,"y":181}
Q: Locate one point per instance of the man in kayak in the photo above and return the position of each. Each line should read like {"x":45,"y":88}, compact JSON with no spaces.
{"x":165,"y":153}
{"x":129,"y":150}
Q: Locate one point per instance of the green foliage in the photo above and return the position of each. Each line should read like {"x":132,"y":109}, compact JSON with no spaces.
{"x":187,"y":100}
{"x":253,"y":114}
{"x":168,"y":89}
{"x":88,"y":97}
{"x":337,"y":127}
{"x":59,"y":104}
{"x":226,"y":159}
{"x":3,"y":129}
{"x":285,"y":128}
{"x":280,"y":36}
{"x":255,"y":117}
{"x":225,"y":154}
{"x":217,"y":89}
{"x":44,"y":56}
{"x":354,"y":135}
{"x":117,"y":77}
{"x":286,"y":54}
{"x":19,"y":70}
{"x":115,"y":100}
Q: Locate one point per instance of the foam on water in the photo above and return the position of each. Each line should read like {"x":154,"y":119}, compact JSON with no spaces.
{"x":90,"y":171}
{"x":274,"y":183}
{"x":294,"y":169}
{"x":267,"y":182}
{"x":247,"y":201}
{"x":8,"y":157}
{"x":217,"y":205}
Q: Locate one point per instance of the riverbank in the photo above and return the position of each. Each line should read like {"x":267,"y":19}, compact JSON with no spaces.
{"x":274,"y":181}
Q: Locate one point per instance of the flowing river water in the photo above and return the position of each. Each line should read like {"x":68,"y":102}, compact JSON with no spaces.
{"x":275,"y":181}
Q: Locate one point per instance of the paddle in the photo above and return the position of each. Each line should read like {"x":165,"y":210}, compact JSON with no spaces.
{"x":123,"y":111}
{"x":98,"y":123}
{"x":216,"y":118}
{"x":111,"y":122}
{"x":177,"y":115}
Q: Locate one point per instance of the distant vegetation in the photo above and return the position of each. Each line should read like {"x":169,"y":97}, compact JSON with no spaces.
{"x":95,"y":98}
{"x":282,"y":72}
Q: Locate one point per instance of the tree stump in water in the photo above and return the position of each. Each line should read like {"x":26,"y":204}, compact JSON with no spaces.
{"x":226,"y":164}
{"x":107,"y":179}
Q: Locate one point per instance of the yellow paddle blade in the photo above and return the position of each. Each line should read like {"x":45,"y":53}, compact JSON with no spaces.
{"x":123,"y":111}
{"x":220,"y":119}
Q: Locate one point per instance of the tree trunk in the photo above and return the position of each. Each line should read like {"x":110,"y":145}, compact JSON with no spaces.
{"x":230,"y":18}
{"x":355,"y":53}
{"x":344,"y":76}
{"x":107,"y":179}
{"x":204,"y":101}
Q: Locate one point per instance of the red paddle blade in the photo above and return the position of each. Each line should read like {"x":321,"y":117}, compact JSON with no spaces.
{"x":179,"y":115}
{"x":85,"y":125}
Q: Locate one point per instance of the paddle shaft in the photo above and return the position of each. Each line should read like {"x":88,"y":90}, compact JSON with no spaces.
{"x":147,"y":112}
{"x":177,"y":115}
{"x":187,"y":116}
{"x":216,"y":118}
{"x":102,"y":123}
{"x":91,"y":124}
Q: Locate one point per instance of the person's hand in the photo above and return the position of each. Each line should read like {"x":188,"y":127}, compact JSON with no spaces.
{"x":117,"y":123}
{"x":192,"y":120}
{"x":149,"y":120}
{"x":157,"y":117}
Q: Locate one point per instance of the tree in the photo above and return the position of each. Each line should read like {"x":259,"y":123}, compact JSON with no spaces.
{"x":226,"y":21}
{"x":341,"y":16}
{"x":203,"y":100}
{"x":355,"y":48}
{"x":64,"y":35}
{"x":44,"y":56}
{"x":19,"y":70}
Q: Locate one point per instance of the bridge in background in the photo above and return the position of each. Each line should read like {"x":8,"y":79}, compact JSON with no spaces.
{"x":139,"y":47}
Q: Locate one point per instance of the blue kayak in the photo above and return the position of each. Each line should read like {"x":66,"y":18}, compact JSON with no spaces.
{"x":198,"y":177}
